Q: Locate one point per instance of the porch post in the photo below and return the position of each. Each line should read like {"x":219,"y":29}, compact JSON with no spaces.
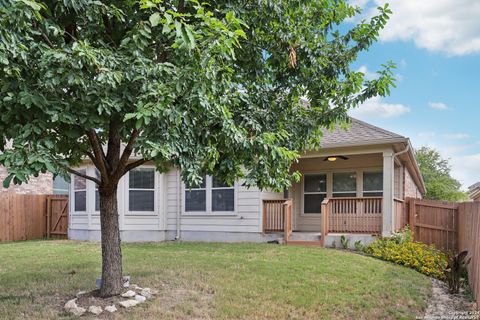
{"x":388,"y":190}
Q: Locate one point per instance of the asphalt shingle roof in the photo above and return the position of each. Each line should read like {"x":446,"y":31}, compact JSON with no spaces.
{"x":358,"y":133}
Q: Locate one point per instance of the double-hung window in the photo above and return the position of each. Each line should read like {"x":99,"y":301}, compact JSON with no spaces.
{"x":80,"y":192}
{"x":315,"y":190}
{"x":141,"y":190}
{"x":212,"y":195}
{"x":373,"y":184}
{"x":344,"y":184}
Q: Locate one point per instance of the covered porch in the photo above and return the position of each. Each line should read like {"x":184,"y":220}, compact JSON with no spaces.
{"x":356,"y":193}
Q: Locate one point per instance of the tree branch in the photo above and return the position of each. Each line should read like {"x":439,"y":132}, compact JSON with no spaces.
{"x":84,"y":176}
{"x":126,"y":154}
{"x":133,"y":165}
{"x":97,"y":150}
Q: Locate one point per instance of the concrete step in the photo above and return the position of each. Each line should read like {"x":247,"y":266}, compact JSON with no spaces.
{"x":305,"y":236}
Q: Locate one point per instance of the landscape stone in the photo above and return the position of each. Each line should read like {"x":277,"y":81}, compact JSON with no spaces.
{"x":140,"y":298}
{"x":95,"y":310}
{"x":70,"y":304}
{"x":78,"y":311}
{"x":129,"y":303}
{"x":111,"y":308}
{"x":129,"y":294}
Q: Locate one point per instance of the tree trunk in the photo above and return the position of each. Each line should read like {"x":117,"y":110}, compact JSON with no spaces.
{"x":112,"y":283}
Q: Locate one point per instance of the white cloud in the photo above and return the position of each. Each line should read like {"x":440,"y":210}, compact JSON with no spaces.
{"x":368,"y":74}
{"x":377,"y":108}
{"x":438,"y":105}
{"x":451,"y":27}
{"x":466,"y":169}
{"x":457,"y":136}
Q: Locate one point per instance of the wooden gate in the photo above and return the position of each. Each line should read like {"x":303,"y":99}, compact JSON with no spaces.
{"x":435,"y":222}
{"x":57,"y":216}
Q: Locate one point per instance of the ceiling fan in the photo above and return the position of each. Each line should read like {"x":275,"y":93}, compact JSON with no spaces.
{"x":334,"y":158}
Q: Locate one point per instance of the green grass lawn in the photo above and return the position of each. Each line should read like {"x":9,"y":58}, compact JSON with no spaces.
{"x":213,"y":281}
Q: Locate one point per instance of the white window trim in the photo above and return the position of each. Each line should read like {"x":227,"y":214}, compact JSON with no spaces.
{"x":313,"y":214}
{"x":155,"y":194}
{"x":73,"y":190}
{"x":208,"y":191}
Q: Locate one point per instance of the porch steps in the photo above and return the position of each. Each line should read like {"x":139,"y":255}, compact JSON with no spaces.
{"x":305,"y":239}
{"x":304,"y":236}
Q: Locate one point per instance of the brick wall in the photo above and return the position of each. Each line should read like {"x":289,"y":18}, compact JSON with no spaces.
{"x":43,"y":184}
{"x":410,"y":188}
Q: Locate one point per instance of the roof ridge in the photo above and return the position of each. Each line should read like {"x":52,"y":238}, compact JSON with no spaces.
{"x":371,"y":126}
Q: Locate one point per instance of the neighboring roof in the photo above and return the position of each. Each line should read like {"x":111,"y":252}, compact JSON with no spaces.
{"x":358,"y":133}
{"x":474,"y":191}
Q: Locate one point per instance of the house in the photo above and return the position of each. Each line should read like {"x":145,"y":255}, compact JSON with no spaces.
{"x":355,"y":185}
{"x":474,"y":191}
{"x":43,"y":184}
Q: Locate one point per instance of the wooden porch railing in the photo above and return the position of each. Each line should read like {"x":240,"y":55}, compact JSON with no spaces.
{"x":277,"y":216}
{"x":352,"y":215}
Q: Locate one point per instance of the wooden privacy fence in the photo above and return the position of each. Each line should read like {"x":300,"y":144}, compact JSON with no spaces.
{"x":434,"y":222}
{"x":27,"y":217}
{"x":469,"y":239}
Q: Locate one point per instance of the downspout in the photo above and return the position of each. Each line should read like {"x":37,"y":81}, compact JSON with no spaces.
{"x":177,"y":234}
{"x":407,"y":148}
{"x":395,"y":155}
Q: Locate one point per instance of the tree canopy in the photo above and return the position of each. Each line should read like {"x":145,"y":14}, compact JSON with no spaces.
{"x":436,"y":172}
{"x":233,"y":88}
{"x":208,"y":88}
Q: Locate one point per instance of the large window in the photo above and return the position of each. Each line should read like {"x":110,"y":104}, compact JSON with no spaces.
{"x":212,"y":195}
{"x":315,"y":190}
{"x":196,"y":197}
{"x":344,"y":184}
{"x":60,"y":185}
{"x":141,"y":190}
{"x":80,"y":192}
{"x":373,"y":184}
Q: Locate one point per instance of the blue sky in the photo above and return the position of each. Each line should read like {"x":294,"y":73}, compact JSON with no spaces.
{"x":436,"y":46}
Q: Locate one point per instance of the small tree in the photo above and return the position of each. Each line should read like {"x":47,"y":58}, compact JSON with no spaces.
{"x":439,"y":183}
{"x":207,"y":88}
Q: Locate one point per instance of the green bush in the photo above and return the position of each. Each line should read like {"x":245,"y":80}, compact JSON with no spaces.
{"x":402,"y":250}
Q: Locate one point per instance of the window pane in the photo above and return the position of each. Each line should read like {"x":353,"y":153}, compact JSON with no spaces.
{"x":195,"y":200}
{"x":60,"y":185}
{"x":345,"y":181}
{"x":316,"y":183}
{"x":80,"y":201}
{"x":313,"y":203}
{"x":372,"y":181}
{"x":141,"y":200}
{"x":345,"y":195}
{"x":79,"y":183}
{"x":223,"y":200}
{"x":217,"y":183}
{"x":202,"y":185}
{"x":142,"y":178}
{"x":97,"y":200}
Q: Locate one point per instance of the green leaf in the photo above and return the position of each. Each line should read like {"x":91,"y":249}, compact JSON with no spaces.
{"x":154,"y":19}
{"x":8,"y":179}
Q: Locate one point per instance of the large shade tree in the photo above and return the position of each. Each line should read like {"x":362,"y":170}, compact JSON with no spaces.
{"x":436,"y":172}
{"x":234,"y":88}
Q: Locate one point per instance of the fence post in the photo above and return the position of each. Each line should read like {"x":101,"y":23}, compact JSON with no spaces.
{"x":324,"y":220}
{"x":411,"y":215}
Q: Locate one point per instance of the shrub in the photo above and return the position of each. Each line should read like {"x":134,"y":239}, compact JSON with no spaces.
{"x":403,"y":251}
{"x":405,"y":235}
{"x":344,"y":241}
{"x":456,"y":270}
{"x":358,"y":245}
